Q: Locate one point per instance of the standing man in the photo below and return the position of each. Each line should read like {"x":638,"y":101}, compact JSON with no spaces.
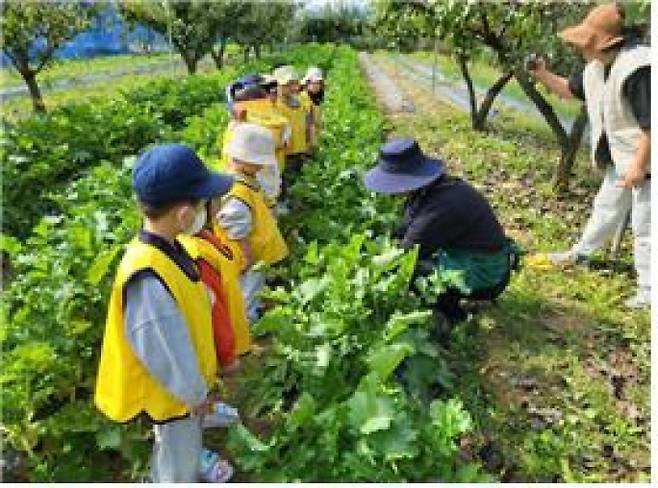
{"x":616,"y":87}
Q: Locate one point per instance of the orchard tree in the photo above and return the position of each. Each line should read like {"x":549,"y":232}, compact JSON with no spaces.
{"x":339,"y":21}
{"x":402,"y":23}
{"x":509,"y":30}
{"x":264,"y":23}
{"x":225,"y":16}
{"x":190,"y":24}
{"x":33,"y":31}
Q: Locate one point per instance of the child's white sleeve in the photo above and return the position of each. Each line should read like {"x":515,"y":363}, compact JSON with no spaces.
{"x":159,"y":336}
{"x":235,"y":217}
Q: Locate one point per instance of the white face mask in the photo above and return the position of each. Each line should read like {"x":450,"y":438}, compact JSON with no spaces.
{"x":199,"y":222}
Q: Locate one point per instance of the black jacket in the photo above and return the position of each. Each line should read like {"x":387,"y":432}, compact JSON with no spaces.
{"x":449,"y":213}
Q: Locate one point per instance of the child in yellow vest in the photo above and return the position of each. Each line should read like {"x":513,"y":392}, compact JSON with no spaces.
{"x":245,"y":215}
{"x":252,"y":105}
{"x":290,"y":106}
{"x":312,"y":96}
{"x":158,"y":354}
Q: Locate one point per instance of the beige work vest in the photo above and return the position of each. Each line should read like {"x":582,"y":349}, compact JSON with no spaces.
{"x":609,"y":110}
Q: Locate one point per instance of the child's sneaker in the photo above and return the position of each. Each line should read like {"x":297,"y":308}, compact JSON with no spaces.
{"x":221,"y":415}
{"x":214,"y":469}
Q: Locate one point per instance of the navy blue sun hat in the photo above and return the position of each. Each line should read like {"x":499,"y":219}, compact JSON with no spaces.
{"x":244,"y":82}
{"x":402,"y":167}
{"x":247,"y":81}
{"x":170,"y":173}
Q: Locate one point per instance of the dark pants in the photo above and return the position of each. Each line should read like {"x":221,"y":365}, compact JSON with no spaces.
{"x":293,"y":168}
{"x":448,"y":302}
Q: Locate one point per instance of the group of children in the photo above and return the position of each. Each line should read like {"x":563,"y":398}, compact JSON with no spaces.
{"x":186,"y":289}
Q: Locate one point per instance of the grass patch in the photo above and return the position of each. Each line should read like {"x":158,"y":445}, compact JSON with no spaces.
{"x":65,"y":69}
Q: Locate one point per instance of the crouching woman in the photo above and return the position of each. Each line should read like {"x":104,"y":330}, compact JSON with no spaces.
{"x":451,"y":222}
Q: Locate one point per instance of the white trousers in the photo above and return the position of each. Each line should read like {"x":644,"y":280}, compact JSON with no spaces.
{"x":611,"y":205}
{"x":177,"y":451}
{"x":251,"y":283}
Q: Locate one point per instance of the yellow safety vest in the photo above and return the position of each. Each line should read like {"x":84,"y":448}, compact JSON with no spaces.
{"x":266,"y":241}
{"x":124,"y":387}
{"x":227,"y":264}
{"x":297,"y":117}
{"x":263,"y":113}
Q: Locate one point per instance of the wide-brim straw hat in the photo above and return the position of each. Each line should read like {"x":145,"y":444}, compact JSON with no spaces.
{"x":600,"y":30}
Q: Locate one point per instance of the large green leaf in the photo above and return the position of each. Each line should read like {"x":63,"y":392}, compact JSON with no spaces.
{"x":101,"y":265}
{"x":370,"y":410}
{"x":386,"y":358}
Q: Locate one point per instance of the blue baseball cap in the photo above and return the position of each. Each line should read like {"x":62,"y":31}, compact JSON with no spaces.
{"x":169,"y":173}
{"x":402,"y":167}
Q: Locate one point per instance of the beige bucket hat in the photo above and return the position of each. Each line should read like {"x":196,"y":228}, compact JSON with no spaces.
{"x":253,"y":144}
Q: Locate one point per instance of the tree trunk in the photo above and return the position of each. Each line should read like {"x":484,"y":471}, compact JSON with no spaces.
{"x":492,"y":93}
{"x":257,"y":50}
{"x":568,"y":156}
{"x":463,"y":66}
{"x":544,"y":108}
{"x":191,"y":63}
{"x":218,"y":55}
{"x":35,"y":93}
{"x":245,"y":53}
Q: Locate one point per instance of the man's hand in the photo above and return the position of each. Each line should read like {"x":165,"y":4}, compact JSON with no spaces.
{"x":634,"y":177}
{"x":536,"y":66}
{"x":637,"y":172}
{"x":559,"y":85}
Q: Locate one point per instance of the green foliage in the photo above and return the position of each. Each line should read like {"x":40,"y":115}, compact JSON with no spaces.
{"x":174,"y":102}
{"x":189,"y":23}
{"x":401,"y":23}
{"x":51,"y":150}
{"x":196,"y":25}
{"x":46,"y":152}
{"x":332,"y":23}
{"x":350,"y":381}
{"x":54,"y":307}
{"x":264,"y":22}
{"x":329,"y":383}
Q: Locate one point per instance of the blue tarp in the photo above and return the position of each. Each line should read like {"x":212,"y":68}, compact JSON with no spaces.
{"x":109,"y":34}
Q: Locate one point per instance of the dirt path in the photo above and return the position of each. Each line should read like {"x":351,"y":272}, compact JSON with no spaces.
{"x":387,"y":91}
